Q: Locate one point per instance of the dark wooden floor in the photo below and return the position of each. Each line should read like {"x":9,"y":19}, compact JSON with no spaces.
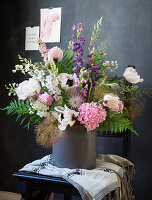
{"x":9,"y":196}
{"x":13,"y":196}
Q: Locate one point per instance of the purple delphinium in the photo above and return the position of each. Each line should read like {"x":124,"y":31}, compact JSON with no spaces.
{"x":76,"y":70}
{"x":102,"y":57}
{"x":74,"y":27}
{"x":80,"y":26}
{"x":78,"y":42}
{"x":93,"y":70}
{"x":82,"y":40}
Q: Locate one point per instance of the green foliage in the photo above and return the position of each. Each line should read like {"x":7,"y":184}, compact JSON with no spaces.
{"x":103,"y":45}
{"x":33,"y":120}
{"x":44,"y":89}
{"x":116,"y":123}
{"x":66,"y":65}
{"x":19,"y":107}
{"x":65,"y":99}
{"x":53,"y":67}
{"x":22,"y":109}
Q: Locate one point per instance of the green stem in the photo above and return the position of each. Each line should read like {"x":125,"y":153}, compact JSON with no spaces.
{"x":100,"y":101}
{"x":90,"y":89}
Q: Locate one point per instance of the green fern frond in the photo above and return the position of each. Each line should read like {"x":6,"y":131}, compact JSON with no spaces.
{"x":66,"y":65}
{"x":33,"y":120}
{"x":22,"y":109}
{"x":115,"y":124}
{"x":17,"y":107}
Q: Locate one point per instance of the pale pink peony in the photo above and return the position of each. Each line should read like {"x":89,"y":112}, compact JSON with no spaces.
{"x":131,"y":75}
{"x":56,"y":54}
{"x":91,"y":115}
{"x":113,"y":102}
{"x":46,"y":98}
{"x":28,"y":89}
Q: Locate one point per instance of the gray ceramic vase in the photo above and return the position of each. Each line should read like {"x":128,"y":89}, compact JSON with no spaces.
{"x":75,"y":150}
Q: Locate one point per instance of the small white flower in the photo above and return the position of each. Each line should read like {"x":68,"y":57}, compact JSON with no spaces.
{"x":104,"y":64}
{"x":112,"y":63}
{"x":31,"y":111}
{"x":40,"y":108}
{"x":132,"y":76}
{"x":107,"y":63}
{"x":23,"y":71}
{"x":66,"y":117}
{"x":14,"y":71}
{"x":27,"y":67}
{"x":52,"y":86}
{"x":21,"y":66}
{"x":17,"y":67}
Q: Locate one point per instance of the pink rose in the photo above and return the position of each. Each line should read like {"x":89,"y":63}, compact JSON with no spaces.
{"x":46,"y":98}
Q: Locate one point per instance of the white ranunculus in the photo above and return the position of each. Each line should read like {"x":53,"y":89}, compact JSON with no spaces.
{"x":131,"y":75}
{"x":28,"y":88}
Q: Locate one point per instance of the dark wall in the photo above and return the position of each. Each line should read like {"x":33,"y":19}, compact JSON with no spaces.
{"x":127,"y":25}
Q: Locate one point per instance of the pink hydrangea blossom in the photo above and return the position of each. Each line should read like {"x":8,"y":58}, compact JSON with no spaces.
{"x":46,"y":98}
{"x":113,"y":102}
{"x":91,"y":115}
{"x":56,"y":54}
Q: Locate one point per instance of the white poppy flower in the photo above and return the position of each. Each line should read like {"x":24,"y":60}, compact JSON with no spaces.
{"x":28,"y":88}
{"x":68,"y":82}
{"x":132,"y":76}
{"x":66,"y":117}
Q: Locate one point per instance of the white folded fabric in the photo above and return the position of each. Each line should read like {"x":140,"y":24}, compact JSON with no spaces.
{"x":109,"y":180}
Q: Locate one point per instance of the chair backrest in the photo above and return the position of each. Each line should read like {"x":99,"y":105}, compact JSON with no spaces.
{"x":126,"y":135}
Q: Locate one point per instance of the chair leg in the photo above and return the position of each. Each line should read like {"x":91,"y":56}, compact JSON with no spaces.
{"x":67,"y":197}
{"x":51,"y":197}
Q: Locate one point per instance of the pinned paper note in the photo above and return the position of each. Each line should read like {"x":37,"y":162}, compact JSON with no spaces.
{"x":50,"y":24}
{"x":32,"y":35}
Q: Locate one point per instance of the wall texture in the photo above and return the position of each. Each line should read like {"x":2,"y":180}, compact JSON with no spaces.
{"x":128,"y":27}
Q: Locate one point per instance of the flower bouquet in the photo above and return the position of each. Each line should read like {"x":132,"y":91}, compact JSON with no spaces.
{"x":67,"y":89}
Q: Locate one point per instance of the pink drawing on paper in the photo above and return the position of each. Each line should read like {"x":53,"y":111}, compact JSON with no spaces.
{"x":50,"y":25}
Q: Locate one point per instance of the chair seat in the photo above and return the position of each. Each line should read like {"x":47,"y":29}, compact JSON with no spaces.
{"x":31,"y":182}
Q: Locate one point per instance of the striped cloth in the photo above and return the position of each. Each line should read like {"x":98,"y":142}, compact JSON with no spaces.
{"x":110,"y":180}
